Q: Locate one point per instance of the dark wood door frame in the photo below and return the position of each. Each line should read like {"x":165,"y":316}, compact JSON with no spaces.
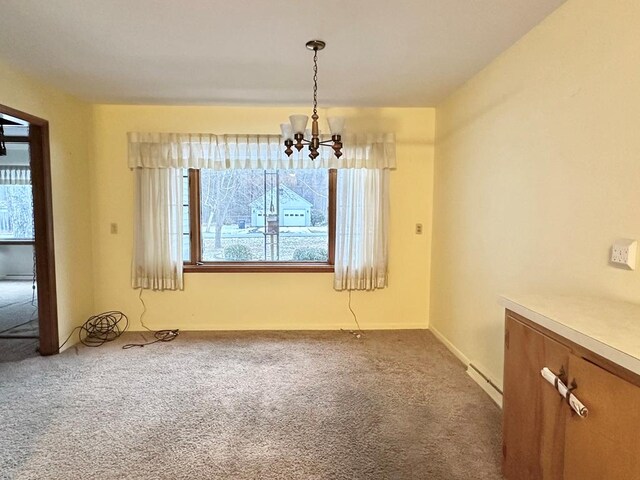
{"x":43,"y":223}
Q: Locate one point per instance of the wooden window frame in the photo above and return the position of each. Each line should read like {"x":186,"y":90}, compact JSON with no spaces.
{"x":196,"y":265}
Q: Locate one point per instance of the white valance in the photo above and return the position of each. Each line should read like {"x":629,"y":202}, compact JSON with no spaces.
{"x":222,"y":152}
{"x":15,"y":175}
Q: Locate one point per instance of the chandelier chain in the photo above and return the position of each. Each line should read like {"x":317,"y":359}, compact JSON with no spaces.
{"x":315,"y":81}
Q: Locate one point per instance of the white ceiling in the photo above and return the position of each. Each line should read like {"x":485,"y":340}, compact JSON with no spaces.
{"x":379,"y":52}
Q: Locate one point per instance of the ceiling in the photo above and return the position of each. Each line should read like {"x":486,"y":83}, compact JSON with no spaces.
{"x":379,"y":52}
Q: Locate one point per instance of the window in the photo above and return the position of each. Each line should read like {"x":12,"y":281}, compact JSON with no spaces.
{"x":259,"y":220}
{"x":16,"y":213}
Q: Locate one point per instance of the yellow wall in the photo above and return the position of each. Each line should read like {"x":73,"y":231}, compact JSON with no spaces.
{"x":537,"y":172}
{"x":69,"y":123}
{"x":259,"y":300}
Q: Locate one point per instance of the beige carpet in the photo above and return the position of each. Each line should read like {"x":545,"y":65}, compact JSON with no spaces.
{"x":294,"y":405}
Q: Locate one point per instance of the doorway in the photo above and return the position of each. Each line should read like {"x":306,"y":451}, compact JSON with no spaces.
{"x":28,"y":310}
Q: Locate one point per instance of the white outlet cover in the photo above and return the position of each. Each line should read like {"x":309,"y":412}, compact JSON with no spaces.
{"x":624,"y":253}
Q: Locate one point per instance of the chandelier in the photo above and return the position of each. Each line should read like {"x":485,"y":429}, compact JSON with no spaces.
{"x":294,"y":133}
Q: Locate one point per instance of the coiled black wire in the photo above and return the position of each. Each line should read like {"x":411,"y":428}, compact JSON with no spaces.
{"x":100,"y":329}
{"x":107,"y":326}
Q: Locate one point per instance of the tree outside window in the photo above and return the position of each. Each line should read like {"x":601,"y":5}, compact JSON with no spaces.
{"x":16,"y":212}
{"x":268,"y":216}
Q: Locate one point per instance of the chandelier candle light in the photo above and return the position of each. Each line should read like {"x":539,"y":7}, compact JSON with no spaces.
{"x":296,"y":129}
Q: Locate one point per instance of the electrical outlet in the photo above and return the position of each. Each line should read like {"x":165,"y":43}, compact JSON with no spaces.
{"x":623,"y":253}
{"x":418,"y":229}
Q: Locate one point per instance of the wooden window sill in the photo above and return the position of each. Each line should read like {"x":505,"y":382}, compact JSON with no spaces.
{"x":17,"y":242}
{"x":281,"y":267}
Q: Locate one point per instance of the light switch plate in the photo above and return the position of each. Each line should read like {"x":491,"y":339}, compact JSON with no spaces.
{"x":623,"y":253}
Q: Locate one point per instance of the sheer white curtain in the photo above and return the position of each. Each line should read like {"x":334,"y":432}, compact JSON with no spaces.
{"x":157,"y":254}
{"x":361,"y":229}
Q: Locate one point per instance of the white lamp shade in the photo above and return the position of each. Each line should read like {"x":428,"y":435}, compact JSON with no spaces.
{"x":307,"y":133}
{"x":336,"y":125}
{"x":287,"y":131}
{"x":298,"y":123}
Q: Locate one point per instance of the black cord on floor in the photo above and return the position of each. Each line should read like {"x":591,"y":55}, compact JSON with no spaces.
{"x":106,"y":327}
{"x":160,"y":335}
{"x":359,"y":333}
{"x":100,"y":329}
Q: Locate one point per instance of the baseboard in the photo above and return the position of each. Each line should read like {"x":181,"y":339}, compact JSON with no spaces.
{"x":452,"y":348}
{"x":488,"y":385}
{"x":135,"y":326}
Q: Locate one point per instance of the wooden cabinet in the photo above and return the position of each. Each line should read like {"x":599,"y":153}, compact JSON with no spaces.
{"x":534,"y":419}
{"x":605,"y":445}
{"x":543,"y":438}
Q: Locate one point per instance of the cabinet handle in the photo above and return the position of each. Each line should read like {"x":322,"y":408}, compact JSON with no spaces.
{"x":565,"y":392}
{"x":576,"y":404}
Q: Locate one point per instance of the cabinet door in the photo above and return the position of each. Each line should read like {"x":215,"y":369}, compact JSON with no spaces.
{"x":604,"y":445}
{"x":534,"y":413}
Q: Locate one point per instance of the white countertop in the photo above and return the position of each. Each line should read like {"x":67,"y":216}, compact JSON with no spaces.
{"x":607,"y":327}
